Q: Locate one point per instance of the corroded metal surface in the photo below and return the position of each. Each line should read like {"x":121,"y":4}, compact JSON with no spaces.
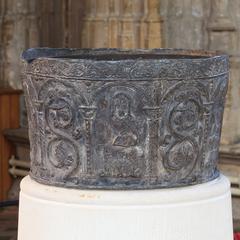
{"x":116,"y":119}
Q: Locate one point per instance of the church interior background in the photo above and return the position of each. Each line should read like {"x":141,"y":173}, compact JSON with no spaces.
{"x":192,"y":24}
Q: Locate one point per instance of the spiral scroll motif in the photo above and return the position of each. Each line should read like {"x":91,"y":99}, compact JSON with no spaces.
{"x":181,"y":155}
{"x":62,"y":151}
{"x":185,"y":112}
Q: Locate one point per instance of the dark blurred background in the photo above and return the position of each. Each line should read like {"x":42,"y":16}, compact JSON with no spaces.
{"x":196,"y":24}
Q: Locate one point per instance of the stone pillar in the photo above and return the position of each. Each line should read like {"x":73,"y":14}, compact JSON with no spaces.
{"x":52,"y":31}
{"x":121,"y":23}
{"x":2,"y":14}
{"x":18,"y":31}
{"x":184,"y":23}
{"x":150,"y":35}
{"x":224,"y":35}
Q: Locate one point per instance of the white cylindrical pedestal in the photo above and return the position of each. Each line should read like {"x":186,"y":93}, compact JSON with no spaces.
{"x":201,"y":212}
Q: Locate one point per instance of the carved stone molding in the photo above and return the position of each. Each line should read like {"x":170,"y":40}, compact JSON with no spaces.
{"x":117,"y":119}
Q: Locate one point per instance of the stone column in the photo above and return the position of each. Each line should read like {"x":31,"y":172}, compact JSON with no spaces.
{"x":184,"y":25}
{"x":150,"y":35}
{"x":18,"y":31}
{"x":121,"y":23}
{"x":224,"y":35}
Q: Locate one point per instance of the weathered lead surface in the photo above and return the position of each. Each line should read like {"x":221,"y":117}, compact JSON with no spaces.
{"x":116,"y":119}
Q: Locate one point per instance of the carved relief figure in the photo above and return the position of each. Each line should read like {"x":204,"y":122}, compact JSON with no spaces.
{"x":119,"y":148}
{"x":121,"y":114}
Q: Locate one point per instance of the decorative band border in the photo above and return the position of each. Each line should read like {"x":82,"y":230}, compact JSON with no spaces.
{"x":154,"y":69}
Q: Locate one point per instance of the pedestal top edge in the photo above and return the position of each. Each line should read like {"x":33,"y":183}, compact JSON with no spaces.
{"x":206,"y":191}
